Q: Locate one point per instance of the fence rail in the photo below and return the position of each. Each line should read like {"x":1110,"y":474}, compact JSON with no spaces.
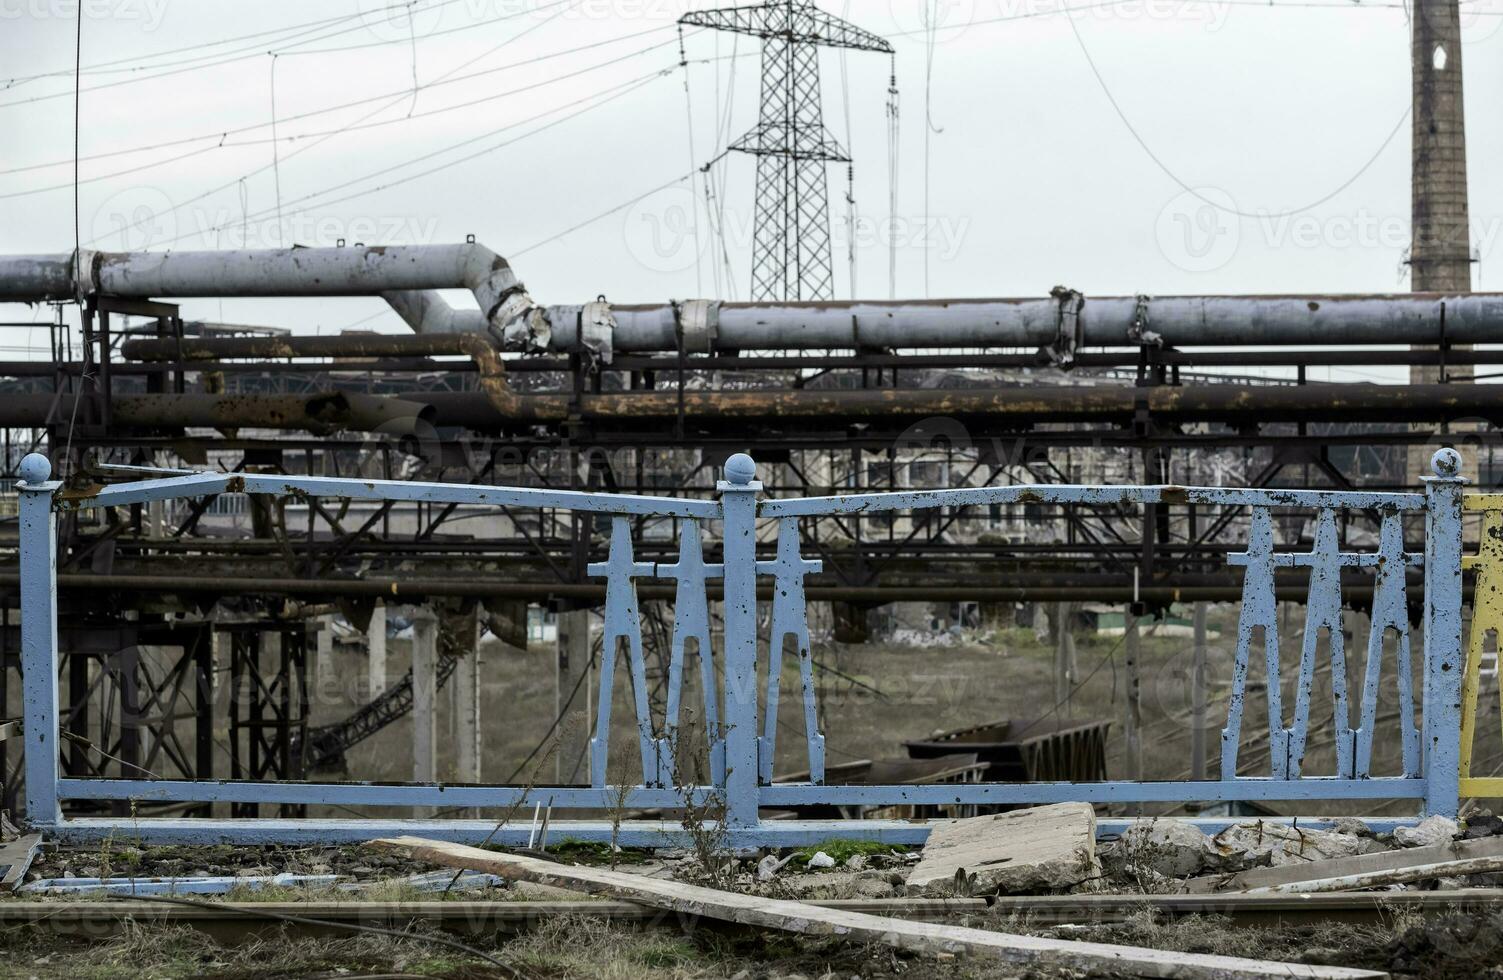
{"x":740,"y":733}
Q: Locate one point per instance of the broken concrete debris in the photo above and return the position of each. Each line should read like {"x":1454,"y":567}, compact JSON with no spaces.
{"x":1167,"y":848}
{"x":1174,"y":849}
{"x":1267,"y":843}
{"x":1045,"y":848}
{"x":1428,"y":832}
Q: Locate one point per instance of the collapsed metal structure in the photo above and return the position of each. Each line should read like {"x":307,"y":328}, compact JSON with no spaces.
{"x":832,"y":397}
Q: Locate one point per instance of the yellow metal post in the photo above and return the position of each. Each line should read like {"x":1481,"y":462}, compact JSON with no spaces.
{"x":1487,"y":617}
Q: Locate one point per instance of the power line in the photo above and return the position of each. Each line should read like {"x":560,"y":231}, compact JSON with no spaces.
{"x":245,"y":54}
{"x":894,"y":159}
{"x":1069,"y":9}
{"x":714,"y":185}
{"x":850,"y":146}
{"x":402,"y":93}
{"x":353,"y":127}
{"x":103,"y":66}
{"x":77,"y":65}
{"x":174,"y":68}
{"x":431,"y":34}
{"x":931,"y":15}
{"x":1106,"y":90}
{"x":623,"y":90}
{"x":603,"y":214}
{"x":276,"y":164}
{"x":318,"y":142}
{"x":683,"y":63}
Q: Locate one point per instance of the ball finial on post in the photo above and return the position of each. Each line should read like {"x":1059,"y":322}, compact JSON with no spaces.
{"x":1446,"y":462}
{"x":35,"y":468}
{"x":740,"y":469}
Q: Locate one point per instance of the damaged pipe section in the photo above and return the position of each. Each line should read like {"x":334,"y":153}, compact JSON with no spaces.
{"x":405,"y":275}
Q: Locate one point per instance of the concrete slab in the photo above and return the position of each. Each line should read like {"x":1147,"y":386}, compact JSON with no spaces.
{"x":1044,"y":848}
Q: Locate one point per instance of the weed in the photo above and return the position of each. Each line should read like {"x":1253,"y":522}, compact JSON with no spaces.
{"x":595,"y":852}
{"x":704,"y":821}
{"x":842,"y":849}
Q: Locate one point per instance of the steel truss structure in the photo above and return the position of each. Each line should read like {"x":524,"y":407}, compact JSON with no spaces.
{"x":822,"y":421}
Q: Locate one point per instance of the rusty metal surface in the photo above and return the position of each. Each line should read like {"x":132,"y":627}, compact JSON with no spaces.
{"x":498,"y":404}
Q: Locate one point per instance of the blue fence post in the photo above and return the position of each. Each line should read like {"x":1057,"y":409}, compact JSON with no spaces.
{"x":738,"y":498}
{"x":39,"y":638}
{"x":1443,"y":662}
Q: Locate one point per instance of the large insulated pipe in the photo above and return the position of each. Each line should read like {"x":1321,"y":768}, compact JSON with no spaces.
{"x":1107,"y":321}
{"x":1066,"y":320}
{"x":404,"y":275}
{"x":1061,"y":323}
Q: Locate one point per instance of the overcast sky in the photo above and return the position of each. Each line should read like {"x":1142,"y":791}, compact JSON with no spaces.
{"x":1033,"y":177}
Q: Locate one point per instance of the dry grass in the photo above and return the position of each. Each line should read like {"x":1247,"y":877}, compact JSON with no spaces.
{"x":169,"y":952}
{"x":566,"y":947}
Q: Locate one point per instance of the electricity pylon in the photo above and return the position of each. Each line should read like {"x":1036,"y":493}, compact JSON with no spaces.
{"x":791,"y":250}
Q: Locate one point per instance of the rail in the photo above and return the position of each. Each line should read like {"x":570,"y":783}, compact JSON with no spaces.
{"x":739,"y":739}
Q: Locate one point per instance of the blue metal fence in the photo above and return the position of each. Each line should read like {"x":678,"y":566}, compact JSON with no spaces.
{"x":741,"y":727}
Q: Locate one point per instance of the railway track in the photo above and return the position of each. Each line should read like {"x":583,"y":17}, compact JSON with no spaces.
{"x":97,"y":919}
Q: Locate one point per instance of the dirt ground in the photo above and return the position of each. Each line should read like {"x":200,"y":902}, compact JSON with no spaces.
{"x":1446,"y":947}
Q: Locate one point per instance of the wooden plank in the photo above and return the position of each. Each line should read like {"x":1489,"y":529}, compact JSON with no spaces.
{"x":16,"y":857}
{"x":799,"y":917}
{"x":1041,"y":848}
{"x":1360,"y":864}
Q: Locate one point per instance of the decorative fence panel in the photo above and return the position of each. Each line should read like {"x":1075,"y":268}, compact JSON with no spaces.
{"x":741,"y":728}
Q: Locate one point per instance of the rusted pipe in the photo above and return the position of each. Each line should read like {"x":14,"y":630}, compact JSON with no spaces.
{"x":499,"y":406}
{"x":478,"y":348}
{"x":159,"y":349}
{"x":321,"y":414}
{"x":483,"y":587}
{"x":1212,"y":403}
